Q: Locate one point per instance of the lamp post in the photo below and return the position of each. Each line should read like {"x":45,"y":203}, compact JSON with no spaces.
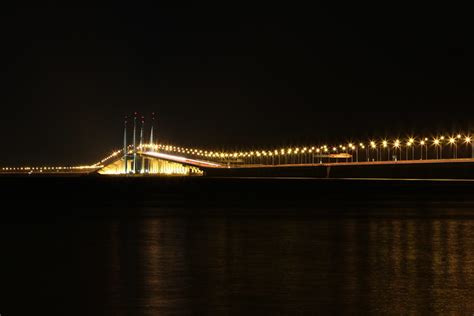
{"x":452,"y":141}
{"x":422,"y":143}
{"x":351,"y":148}
{"x":458,"y":137}
{"x":426,"y":148}
{"x":363,"y":147}
{"x":374,"y":146}
{"x":441,"y":147}
{"x":468,"y":140}
{"x":344,"y":150}
{"x":396,"y":145}
{"x":437,"y":145}
{"x":408,"y":147}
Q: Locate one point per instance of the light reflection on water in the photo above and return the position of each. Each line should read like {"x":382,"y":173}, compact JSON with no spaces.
{"x":285,"y":261}
{"x":280,"y":264}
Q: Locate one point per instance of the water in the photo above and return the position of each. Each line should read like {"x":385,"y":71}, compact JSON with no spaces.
{"x":397,"y":254}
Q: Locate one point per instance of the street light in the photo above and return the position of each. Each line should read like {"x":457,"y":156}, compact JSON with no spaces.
{"x":351,"y":148}
{"x":468,"y":140}
{"x":366,"y":151}
{"x":357,"y":153}
{"x":385,"y":145}
{"x":422,"y":143}
{"x":317,"y":152}
{"x":412,"y":143}
{"x":452,"y":141}
{"x":426,"y":148}
{"x":436,"y":143}
{"x":396,"y":145}
{"x":408,"y":146}
{"x":374,"y":146}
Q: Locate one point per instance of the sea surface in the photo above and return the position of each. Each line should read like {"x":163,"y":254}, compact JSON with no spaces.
{"x":151,"y":246}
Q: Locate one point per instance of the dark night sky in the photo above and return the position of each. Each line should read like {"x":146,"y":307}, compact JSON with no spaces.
{"x":228,"y":76}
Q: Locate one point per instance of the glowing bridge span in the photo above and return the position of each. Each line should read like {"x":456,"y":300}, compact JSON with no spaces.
{"x":146,"y":161}
{"x":152,"y":157}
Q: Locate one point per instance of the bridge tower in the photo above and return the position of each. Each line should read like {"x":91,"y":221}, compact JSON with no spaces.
{"x":135,"y":142}
{"x":152,"y":126}
{"x":142,"y":165}
{"x":125,"y":151}
{"x":152,"y":148}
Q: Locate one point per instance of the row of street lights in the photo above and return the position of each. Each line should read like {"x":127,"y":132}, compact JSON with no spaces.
{"x":382,"y":150}
{"x":396,"y":147}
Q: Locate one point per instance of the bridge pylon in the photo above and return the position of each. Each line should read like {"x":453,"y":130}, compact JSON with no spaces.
{"x":125,"y":150}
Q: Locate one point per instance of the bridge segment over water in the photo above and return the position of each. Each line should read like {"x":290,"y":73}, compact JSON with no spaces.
{"x":150,"y":157}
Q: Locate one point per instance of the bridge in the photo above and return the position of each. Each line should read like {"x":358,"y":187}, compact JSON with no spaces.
{"x":151,"y":157}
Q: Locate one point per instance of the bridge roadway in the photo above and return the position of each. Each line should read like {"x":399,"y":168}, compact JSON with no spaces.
{"x":405,"y":169}
{"x":208,"y":164}
{"x":462,"y":166}
{"x":360,"y":163}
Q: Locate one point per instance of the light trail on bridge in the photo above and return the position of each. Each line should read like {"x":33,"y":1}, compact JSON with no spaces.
{"x":199,"y":163}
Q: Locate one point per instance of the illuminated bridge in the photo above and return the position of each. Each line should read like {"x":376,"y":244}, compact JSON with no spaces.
{"x":149,"y":157}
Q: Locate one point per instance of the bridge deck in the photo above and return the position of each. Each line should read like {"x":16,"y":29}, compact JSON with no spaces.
{"x":361,"y":163}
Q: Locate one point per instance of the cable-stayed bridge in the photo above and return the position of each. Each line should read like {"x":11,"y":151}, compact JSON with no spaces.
{"x":151,"y":157}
